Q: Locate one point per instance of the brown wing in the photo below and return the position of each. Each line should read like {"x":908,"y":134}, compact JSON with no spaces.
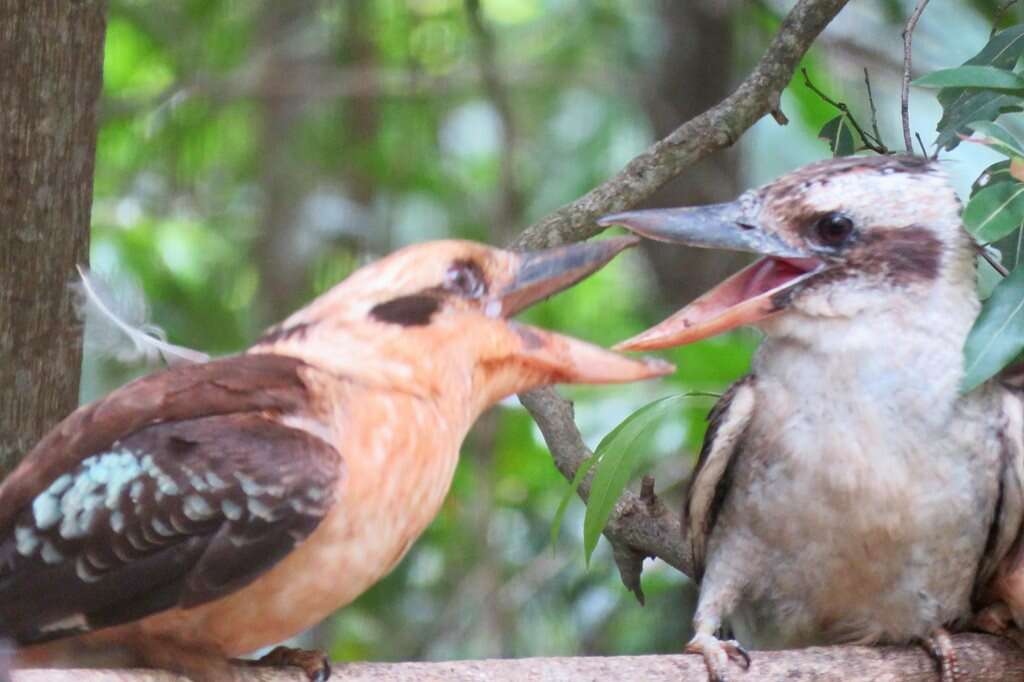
{"x":711,"y":478}
{"x":171,"y":513}
{"x":244,"y":383}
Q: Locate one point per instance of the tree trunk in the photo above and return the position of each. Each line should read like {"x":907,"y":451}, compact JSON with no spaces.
{"x":51,"y":53}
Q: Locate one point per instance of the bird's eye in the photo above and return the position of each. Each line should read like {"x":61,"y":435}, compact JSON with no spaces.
{"x":833,"y":229}
{"x":465,"y":279}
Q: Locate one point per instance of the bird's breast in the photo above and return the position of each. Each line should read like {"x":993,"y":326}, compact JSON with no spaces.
{"x":872,"y":523}
{"x":400,"y":456}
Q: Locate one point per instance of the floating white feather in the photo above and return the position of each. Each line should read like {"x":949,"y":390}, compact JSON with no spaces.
{"x":116,"y":324}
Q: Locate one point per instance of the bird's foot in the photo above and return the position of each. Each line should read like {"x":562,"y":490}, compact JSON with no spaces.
{"x":717,"y":653}
{"x":940,"y":645}
{"x":313,"y":662}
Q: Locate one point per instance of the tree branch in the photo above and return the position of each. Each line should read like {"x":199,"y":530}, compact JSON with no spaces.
{"x":981,"y":657}
{"x":715,"y":129}
{"x":908,"y":36}
{"x":636,"y":528}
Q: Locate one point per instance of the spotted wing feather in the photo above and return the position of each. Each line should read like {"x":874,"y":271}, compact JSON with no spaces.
{"x":172,"y":490}
{"x":175,"y":514}
{"x":231,"y":385}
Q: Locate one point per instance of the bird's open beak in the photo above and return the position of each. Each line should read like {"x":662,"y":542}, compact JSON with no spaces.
{"x":754,"y":293}
{"x":564,"y":359}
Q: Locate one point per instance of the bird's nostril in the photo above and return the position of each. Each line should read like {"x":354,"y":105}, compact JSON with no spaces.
{"x":745,"y":226}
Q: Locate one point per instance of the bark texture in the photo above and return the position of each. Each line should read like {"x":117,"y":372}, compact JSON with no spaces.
{"x":982,"y":659}
{"x":51,"y":54}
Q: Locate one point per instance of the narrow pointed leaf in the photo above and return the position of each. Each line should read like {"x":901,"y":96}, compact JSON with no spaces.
{"x":570,"y":492}
{"x":616,"y":456}
{"x":976,"y":105}
{"x":995,"y":211}
{"x":998,"y":334}
{"x":997,"y":137}
{"x":961,"y":106}
{"x":968,"y":76}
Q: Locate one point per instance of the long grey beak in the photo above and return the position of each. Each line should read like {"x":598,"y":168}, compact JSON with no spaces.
{"x":716,"y":226}
{"x":543,"y":273}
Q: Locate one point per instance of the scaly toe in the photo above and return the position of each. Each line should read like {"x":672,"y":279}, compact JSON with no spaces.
{"x":737,"y":654}
{"x":940,"y":646}
{"x":717,"y":655}
{"x":312,"y":662}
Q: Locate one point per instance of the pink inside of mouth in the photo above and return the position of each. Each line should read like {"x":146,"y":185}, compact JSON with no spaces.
{"x":745,"y":298}
{"x":771,"y":273}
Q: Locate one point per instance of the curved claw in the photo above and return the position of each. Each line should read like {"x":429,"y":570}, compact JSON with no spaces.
{"x":314,"y":663}
{"x":940,"y":645}
{"x":717,"y":654}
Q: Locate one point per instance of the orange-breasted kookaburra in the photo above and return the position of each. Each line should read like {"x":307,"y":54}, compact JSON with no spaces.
{"x":847,"y":490}
{"x":212,"y":509}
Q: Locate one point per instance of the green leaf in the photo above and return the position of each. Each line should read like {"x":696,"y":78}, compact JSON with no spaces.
{"x":998,"y":334}
{"x":987,"y":278}
{"x":995,"y":174}
{"x":839,"y":134}
{"x":995,"y":211}
{"x":616,"y":455}
{"x":962,"y":106}
{"x":977,"y":105}
{"x":997,"y":137}
{"x":968,"y":76}
{"x":570,"y":492}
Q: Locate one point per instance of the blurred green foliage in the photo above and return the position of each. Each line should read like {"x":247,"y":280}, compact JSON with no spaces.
{"x":252,"y":154}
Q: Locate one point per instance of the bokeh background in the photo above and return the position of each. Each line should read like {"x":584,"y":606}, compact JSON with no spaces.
{"x":252,"y":154}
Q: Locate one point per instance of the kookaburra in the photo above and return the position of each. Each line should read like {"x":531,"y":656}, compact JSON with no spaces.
{"x":212,"y":509}
{"x":847,"y":489}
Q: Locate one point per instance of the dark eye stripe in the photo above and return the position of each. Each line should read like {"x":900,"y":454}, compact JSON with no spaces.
{"x":409,"y":311}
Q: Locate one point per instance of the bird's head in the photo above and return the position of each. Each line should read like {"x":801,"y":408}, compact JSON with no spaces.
{"x":839,"y":239}
{"x":435,"y":316}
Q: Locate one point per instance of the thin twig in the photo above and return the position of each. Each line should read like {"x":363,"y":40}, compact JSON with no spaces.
{"x":999,"y":16}
{"x":908,"y":36}
{"x":996,"y":265}
{"x":868,"y":140}
{"x":871,"y":103}
{"x":924,"y":150}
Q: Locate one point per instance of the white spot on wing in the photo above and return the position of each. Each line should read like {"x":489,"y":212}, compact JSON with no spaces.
{"x":197,"y":508}
{"x":75,"y":622}
{"x":26,"y":540}
{"x":261,"y":510}
{"x":50,"y":554}
{"x":45,"y":511}
{"x":231,"y":510}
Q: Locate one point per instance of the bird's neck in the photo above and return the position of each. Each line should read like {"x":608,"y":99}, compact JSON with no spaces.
{"x":904,"y":356}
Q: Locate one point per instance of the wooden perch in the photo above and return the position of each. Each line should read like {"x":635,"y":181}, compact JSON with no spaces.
{"x":982,"y":659}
